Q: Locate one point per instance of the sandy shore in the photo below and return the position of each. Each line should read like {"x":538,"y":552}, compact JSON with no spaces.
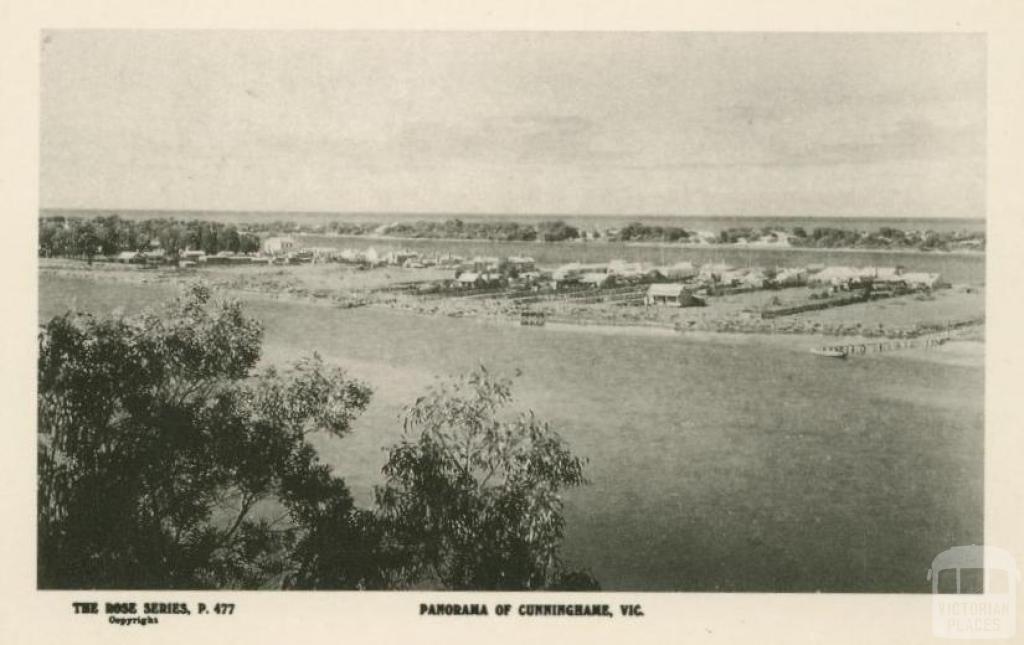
{"x":953,"y":352}
{"x":960,"y":352}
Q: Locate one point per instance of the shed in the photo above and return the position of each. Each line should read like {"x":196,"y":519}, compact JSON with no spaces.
{"x":672,"y":294}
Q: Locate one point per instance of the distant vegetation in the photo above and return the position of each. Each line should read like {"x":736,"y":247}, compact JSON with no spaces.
{"x":637,"y":232}
{"x":888,"y":238}
{"x":81,"y":237}
{"x":454,"y":229}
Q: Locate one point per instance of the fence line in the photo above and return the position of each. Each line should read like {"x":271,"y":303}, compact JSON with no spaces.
{"x":888,"y":346}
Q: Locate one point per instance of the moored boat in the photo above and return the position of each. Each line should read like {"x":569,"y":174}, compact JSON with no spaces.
{"x":829,"y":352}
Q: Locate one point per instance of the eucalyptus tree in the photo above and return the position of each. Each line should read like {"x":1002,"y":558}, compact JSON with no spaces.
{"x":167,"y":460}
{"x":474,"y":494}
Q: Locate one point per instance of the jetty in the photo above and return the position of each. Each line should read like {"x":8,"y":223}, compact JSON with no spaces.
{"x":850,"y":349}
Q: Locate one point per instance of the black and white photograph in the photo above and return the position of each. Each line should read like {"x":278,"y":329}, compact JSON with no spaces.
{"x":567,"y":322}
{"x":507,"y":311}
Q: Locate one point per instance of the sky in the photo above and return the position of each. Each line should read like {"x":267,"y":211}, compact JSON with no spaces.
{"x":876,"y":125}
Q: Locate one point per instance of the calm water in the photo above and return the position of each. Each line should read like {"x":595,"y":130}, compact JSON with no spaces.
{"x":714,"y":465}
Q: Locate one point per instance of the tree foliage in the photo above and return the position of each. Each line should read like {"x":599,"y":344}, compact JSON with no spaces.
{"x":111,"y":234}
{"x":166,"y":461}
{"x":473,"y":498}
{"x":638,"y":232}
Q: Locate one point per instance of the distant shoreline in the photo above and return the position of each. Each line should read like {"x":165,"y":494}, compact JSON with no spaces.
{"x":655,"y":245}
{"x":969,"y":352}
{"x":353,"y":297}
{"x":65,"y":233}
{"x":163,"y":212}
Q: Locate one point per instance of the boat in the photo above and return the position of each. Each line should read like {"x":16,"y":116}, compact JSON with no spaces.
{"x":829,"y":352}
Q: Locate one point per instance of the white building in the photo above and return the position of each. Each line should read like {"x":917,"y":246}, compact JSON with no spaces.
{"x":278,"y":245}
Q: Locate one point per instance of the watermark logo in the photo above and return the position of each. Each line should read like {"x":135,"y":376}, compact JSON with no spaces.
{"x":974,"y":593}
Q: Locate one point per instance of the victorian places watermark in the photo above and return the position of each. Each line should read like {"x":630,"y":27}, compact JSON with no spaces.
{"x":974,"y":593}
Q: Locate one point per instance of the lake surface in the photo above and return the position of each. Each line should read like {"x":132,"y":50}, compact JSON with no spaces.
{"x":724,"y":465}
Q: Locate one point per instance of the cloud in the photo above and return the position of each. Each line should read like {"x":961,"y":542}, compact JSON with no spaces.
{"x":515,"y":139}
{"x":749,"y":136}
{"x":911,"y":139}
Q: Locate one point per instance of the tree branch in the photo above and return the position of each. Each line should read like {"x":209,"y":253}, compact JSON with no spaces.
{"x":247,"y":503}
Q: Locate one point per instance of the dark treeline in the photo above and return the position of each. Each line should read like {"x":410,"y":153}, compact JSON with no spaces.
{"x":888,"y":238}
{"x":455,"y":229}
{"x":81,"y":237}
{"x":558,"y":231}
{"x":819,"y":237}
{"x":637,"y":232}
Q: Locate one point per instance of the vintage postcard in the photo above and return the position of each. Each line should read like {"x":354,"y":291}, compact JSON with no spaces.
{"x":557,"y":331}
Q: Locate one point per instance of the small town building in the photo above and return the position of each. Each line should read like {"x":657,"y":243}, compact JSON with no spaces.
{"x":671,"y":294}
{"x":530,"y":277}
{"x":154,"y":256}
{"x":521,"y":263}
{"x":449,"y":260}
{"x":632,"y":270}
{"x":733,"y":278}
{"x":679,"y":271}
{"x":483,"y":264}
{"x":278,"y":245}
{"x":714,"y":272}
{"x":567,"y":274}
{"x":922,"y":280}
{"x":837,"y":277}
{"x":324,"y":253}
{"x":791,"y":277}
{"x":597,"y":279}
{"x":399,"y":258}
{"x":886,"y":272}
{"x":470,"y":279}
{"x":755,"y":279}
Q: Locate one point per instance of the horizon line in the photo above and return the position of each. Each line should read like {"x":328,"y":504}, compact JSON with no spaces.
{"x":240,"y":211}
